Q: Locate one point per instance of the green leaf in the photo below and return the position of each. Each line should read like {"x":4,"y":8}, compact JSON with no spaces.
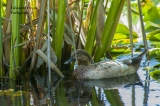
{"x":158,"y":57}
{"x":157,"y":66}
{"x":120,"y":50}
{"x":120,"y":36}
{"x":154,"y":52}
{"x":134,"y":34}
{"x":155,"y":44}
{"x":155,"y":75}
{"x":154,"y":37}
{"x":150,"y":26}
{"x":152,"y":15}
{"x":157,"y":36}
{"x":92,"y":30}
{"x":122,"y":41}
{"x":148,"y":4}
{"x":59,"y":30}
{"x":1,"y":46}
{"x":109,"y":29}
{"x":121,"y":28}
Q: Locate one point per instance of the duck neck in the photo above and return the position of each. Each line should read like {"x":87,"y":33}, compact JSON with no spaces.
{"x":84,"y":63}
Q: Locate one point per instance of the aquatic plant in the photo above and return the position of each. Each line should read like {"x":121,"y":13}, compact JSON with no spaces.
{"x":89,"y":24}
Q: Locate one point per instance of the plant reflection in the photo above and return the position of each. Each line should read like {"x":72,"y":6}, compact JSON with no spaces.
{"x":68,"y":92}
{"x":102,"y":92}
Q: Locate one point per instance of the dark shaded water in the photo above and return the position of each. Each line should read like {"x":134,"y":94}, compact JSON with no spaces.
{"x":133,"y":90}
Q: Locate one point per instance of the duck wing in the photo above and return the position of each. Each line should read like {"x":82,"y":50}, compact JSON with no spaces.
{"x":135,"y":61}
{"x":109,"y":69}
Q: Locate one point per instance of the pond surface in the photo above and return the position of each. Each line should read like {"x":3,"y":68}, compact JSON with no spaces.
{"x":133,"y":90}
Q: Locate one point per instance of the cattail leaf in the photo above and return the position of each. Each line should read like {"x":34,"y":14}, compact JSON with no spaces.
{"x":100,"y":21}
{"x":88,"y":15}
{"x":68,"y":35}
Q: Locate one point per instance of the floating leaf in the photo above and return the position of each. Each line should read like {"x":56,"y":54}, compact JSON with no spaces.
{"x":120,"y":36}
{"x":157,"y":66}
{"x":123,"y":41}
{"x":158,"y":57}
{"x":154,"y":52}
{"x":148,"y":4}
{"x":152,"y":15}
{"x":150,"y":26}
{"x":157,"y":36}
{"x":153,"y":33}
{"x":117,"y":49}
{"x":134,"y":34}
{"x":155,"y":75}
{"x":121,"y":28}
{"x":154,"y":37}
{"x":8,"y":92}
{"x":18,"y":93}
{"x":155,"y":44}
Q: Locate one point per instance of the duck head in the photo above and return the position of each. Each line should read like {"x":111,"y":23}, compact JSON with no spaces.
{"x":84,"y":59}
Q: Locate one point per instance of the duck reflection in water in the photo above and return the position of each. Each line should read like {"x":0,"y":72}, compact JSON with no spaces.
{"x":84,"y":90}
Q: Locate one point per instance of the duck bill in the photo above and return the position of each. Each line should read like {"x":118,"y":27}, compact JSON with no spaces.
{"x":69,"y":60}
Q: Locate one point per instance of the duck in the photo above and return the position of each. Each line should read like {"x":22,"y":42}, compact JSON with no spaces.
{"x":87,"y":69}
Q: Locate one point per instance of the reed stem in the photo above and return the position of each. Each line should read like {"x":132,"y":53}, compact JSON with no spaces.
{"x":58,"y":40}
{"x":1,"y":46}
{"x":130,"y":25}
{"x":15,"y":39}
{"x":92,"y":31}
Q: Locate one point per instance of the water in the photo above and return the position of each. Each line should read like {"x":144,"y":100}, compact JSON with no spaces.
{"x":133,"y":90}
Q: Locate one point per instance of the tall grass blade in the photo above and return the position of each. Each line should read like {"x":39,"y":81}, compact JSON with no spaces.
{"x":1,"y":47}
{"x":110,"y":27}
{"x":15,"y":38}
{"x":58,"y":40}
{"x":92,"y":31}
{"x":53,"y":23}
{"x":22,"y":21}
{"x":33,"y":5}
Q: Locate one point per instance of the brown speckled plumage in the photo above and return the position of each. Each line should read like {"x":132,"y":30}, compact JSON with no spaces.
{"x":87,"y":69}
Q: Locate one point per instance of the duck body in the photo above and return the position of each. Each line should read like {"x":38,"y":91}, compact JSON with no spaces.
{"x":104,"y":69}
